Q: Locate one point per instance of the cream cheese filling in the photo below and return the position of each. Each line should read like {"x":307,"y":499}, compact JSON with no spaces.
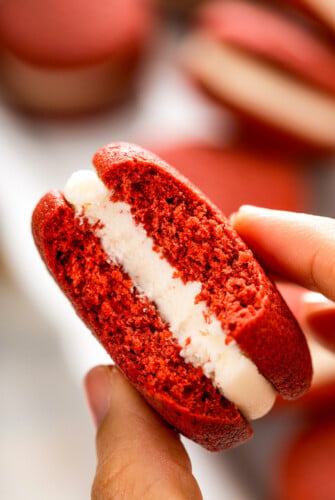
{"x":202,"y":340}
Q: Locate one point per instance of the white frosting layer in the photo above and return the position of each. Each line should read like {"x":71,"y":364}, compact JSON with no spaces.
{"x":203,"y":342}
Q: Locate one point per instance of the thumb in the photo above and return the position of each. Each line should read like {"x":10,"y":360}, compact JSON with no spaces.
{"x":139,"y":456}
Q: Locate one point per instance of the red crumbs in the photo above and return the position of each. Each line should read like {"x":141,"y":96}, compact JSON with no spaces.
{"x":199,"y":243}
{"x":126,"y":323}
{"x":194,"y":241}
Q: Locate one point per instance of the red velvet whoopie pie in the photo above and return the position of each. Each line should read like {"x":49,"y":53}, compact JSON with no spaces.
{"x":174,"y":295}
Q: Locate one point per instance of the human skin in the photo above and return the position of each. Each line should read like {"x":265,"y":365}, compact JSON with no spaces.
{"x":139,"y":456}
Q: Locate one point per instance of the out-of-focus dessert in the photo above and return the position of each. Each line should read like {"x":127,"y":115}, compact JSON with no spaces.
{"x":71,"y":56}
{"x":235,"y":175}
{"x":267,"y":68}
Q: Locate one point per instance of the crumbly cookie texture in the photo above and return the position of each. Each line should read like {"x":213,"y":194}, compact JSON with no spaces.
{"x":225,"y":293}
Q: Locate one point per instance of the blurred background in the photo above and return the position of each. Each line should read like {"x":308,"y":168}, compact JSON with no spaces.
{"x":239,"y":96}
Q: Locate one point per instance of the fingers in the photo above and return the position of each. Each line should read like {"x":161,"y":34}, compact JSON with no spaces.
{"x":139,"y":456}
{"x":297,"y":247}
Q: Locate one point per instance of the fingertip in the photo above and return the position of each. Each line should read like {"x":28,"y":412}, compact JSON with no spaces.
{"x":132,"y":440}
{"x":239,"y":218}
{"x":98,"y":390}
{"x":245,"y":212}
{"x":246,"y":208}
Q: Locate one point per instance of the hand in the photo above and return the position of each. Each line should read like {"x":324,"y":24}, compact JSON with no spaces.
{"x":139,"y":456}
{"x":299,"y":248}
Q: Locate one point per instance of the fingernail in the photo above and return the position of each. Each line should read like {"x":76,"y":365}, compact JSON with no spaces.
{"x":98,"y":388}
{"x":242,"y":209}
{"x":319,"y":317}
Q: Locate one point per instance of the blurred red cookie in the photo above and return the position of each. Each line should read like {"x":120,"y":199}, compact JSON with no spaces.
{"x":234,"y":176}
{"x":69,"y":56}
{"x":267,"y":68}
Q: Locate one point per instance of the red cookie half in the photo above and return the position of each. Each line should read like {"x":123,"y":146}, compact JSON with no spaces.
{"x":173,"y":294}
{"x":267,"y":68}
{"x":66,"y":56}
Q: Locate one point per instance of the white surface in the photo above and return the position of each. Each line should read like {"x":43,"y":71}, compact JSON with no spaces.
{"x":203,"y":341}
{"x":38,"y":155}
